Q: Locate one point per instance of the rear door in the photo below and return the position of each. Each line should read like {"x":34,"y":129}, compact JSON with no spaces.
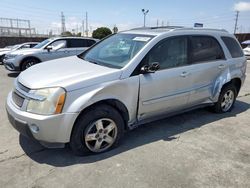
{"x":207,"y":63}
{"x":78,"y":45}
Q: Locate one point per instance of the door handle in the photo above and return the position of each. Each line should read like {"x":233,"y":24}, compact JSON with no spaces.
{"x":221,"y":66}
{"x":184,"y":74}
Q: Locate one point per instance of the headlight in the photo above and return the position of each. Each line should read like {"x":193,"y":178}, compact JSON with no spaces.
{"x":11,"y":56}
{"x":52,"y":101}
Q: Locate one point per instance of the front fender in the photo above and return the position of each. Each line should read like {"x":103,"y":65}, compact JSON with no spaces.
{"x":125,"y":91}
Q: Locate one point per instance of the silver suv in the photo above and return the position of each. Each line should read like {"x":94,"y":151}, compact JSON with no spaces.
{"x":128,"y":79}
{"x":49,"y":49}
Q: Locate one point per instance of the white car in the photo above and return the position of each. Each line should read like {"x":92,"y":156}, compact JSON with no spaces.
{"x":247,"y":51}
{"x":9,"y":49}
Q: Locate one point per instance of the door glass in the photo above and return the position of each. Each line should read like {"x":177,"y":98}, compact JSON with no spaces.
{"x":205,"y":48}
{"x":77,"y":43}
{"x":170,"y":53}
{"x":58,"y":44}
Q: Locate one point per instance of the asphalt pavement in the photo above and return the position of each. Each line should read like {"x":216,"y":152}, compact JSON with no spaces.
{"x":195,"y":149}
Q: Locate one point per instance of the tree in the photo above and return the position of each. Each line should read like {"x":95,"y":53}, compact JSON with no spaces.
{"x":101,"y":32}
{"x":79,"y":34}
{"x":66,"y":34}
{"x":115,"y":29}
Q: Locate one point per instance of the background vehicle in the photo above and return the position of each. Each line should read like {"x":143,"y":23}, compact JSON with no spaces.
{"x":9,"y":49}
{"x":127,"y":79}
{"x":49,"y":49}
{"x":247,"y":51}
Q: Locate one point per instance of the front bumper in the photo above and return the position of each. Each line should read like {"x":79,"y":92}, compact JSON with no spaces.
{"x":51,"y":129}
{"x":9,"y":65}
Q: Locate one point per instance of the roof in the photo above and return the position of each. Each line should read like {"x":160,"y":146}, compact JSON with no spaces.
{"x":53,"y":38}
{"x":161,"y":30}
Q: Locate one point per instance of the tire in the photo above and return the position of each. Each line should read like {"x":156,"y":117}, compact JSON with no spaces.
{"x":226,"y":99}
{"x":94,"y":130}
{"x":28,"y":63}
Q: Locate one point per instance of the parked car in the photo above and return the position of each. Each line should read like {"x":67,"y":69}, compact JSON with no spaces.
{"x":49,"y":49}
{"x":9,"y":49}
{"x":125,"y":80}
{"x":247,"y":51}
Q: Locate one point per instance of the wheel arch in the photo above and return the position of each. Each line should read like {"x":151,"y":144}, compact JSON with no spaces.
{"x":236,"y":82}
{"x":28,"y":57}
{"x":115,"y":103}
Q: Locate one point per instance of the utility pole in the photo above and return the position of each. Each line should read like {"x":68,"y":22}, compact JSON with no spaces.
{"x":83,"y":28}
{"x":162,"y":23}
{"x":145,"y":12}
{"x":236,"y":21}
{"x":87,"y":30}
{"x":157,"y":23}
{"x":63,"y":29}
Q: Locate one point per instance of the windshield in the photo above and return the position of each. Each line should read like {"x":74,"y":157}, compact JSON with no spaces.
{"x":43,"y":43}
{"x":15,"y":46}
{"x":117,"y":50}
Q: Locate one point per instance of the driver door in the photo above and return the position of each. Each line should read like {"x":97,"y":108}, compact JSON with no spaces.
{"x":168,"y":89}
{"x":58,"y":50}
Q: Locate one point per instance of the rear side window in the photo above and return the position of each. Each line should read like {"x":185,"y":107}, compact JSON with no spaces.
{"x":77,"y":43}
{"x":233,"y":47}
{"x":205,"y":48}
{"x":32,"y":45}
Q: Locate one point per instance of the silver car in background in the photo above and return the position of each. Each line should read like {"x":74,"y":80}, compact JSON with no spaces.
{"x":49,"y":49}
{"x":128,"y":79}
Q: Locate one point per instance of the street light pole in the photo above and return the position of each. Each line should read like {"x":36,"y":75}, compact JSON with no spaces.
{"x":145,"y":12}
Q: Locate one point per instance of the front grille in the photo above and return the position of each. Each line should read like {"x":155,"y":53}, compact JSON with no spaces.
{"x":18,"y":100}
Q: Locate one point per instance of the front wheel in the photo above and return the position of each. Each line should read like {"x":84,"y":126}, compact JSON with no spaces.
{"x":28,"y":63}
{"x":98,"y":130}
{"x":226,"y":99}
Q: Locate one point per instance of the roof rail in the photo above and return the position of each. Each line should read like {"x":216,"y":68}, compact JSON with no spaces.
{"x":161,"y":27}
{"x":179,"y":28}
{"x":201,"y":28}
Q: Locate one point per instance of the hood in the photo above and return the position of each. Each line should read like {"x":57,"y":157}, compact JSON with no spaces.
{"x":2,"y":52}
{"x":70,"y":73}
{"x":25,"y":51}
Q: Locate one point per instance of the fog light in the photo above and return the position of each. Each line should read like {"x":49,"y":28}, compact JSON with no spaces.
{"x":34,"y":128}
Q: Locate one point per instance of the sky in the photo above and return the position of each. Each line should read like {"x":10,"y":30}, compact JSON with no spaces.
{"x":45,"y":15}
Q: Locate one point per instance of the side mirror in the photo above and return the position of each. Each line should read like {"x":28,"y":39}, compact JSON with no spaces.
{"x":49,"y":48}
{"x":150,"y":68}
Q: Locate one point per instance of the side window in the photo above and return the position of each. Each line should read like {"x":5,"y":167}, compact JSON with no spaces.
{"x":170,"y":53}
{"x":233,"y":47}
{"x":77,"y":43}
{"x":25,"y":46}
{"x":205,"y":48}
{"x":32,"y":45}
{"x":90,"y":43}
{"x":58,"y":44}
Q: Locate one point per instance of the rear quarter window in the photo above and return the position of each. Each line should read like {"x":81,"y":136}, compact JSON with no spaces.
{"x":233,"y":47}
{"x":90,"y":43}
